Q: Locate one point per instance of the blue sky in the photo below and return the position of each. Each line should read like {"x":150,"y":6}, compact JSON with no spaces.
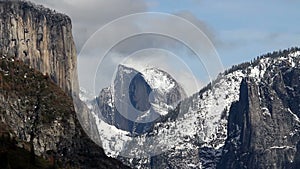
{"x":245,"y":29}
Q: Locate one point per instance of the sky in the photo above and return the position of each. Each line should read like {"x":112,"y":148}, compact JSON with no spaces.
{"x":238,"y":31}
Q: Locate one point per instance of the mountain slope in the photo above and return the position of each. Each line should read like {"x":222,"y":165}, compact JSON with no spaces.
{"x":196,"y":139}
{"x":264,"y":124}
{"x":39,"y":118}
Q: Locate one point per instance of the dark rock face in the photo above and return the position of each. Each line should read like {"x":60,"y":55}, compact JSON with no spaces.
{"x":42,"y":39}
{"x":139,"y":92}
{"x":129,"y":89}
{"x":263,"y":126}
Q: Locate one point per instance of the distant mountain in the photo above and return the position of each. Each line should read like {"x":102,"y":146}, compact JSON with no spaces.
{"x":151,"y":92}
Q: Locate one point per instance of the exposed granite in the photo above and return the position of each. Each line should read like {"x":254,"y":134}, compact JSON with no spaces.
{"x":42,"y":39}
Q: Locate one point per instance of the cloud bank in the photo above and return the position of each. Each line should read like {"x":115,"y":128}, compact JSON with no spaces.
{"x":90,"y":15}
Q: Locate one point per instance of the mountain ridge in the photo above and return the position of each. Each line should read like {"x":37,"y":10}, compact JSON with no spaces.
{"x":202,"y":118}
{"x":247,"y":118}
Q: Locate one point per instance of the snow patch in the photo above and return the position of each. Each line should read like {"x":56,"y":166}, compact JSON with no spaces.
{"x":294,"y":115}
{"x":294,"y":54}
{"x":282,"y":147}
{"x":113,"y":139}
{"x":266,"y":112}
{"x":158,"y":79}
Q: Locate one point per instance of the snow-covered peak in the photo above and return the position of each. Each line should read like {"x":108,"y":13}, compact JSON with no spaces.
{"x":159,"y":79}
{"x":257,"y":71}
{"x":156,"y":78}
{"x":294,"y":54}
{"x":126,"y":69}
{"x":145,"y":96}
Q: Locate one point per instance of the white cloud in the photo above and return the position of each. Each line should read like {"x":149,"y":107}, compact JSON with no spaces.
{"x":90,"y":15}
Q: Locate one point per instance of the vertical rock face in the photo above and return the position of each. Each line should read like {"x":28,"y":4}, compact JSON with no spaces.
{"x":42,"y":39}
{"x":138,"y":99}
{"x":36,"y":116}
{"x":263,"y":126}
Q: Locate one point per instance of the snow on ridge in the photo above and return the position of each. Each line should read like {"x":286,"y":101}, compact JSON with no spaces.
{"x":158,"y":79}
{"x":213,"y":103}
{"x":282,"y":147}
{"x":257,"y":72}
{"x":206,"y":109}
{"x":294,"y":54}
{"x":113,"y":139}
{"x":204,"y":116}
{"x":294,"y":115}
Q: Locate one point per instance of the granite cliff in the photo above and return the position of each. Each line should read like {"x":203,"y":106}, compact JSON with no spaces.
{"x":151,"y":92}
{"x":42,"y":39}
{"x":38,"y":124}
{"x":263,"y":125}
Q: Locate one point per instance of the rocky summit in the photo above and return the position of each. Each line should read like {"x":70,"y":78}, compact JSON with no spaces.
{"x":151,"y":92}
